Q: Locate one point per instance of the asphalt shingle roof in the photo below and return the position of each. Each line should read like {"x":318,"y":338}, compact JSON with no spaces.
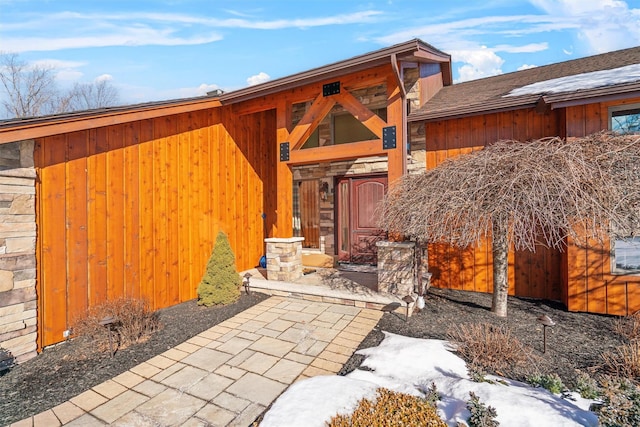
{"x":488,"y":94}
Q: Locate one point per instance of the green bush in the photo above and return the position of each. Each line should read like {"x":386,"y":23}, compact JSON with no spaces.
{"x":587,"y":386}
{"x":551,"y":382}
{"x":221,"y":282}
{"x":391,"y":409}
{"x":481,"y":415}
{"x":620,"y":404}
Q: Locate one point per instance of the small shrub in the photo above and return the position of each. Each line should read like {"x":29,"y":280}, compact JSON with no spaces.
{"x":587,"y":386}
{"x":390,"y":409}
{"x":628,"y":327}
{"x":481,"y":415}
{"x":624,"y":360}
{"x":134,"y":322}
{"x":620,"y":403}
{"x":432,"y":396}
{"x":493,"y":349}
{"x":551,"y":382}
{"x":221,"y":283}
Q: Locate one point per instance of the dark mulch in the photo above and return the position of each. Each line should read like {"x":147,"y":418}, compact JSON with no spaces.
{"x":62,"y":372}
{"x":66,"y":370}
{"x":575,"y":342}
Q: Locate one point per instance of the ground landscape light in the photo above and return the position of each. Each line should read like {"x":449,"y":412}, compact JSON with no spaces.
{"x":546,"y":322}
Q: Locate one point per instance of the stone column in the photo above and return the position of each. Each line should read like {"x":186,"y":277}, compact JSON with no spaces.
{"x":396,"y":267}
{"x":284,"y":258}
{"x":18,"y":302}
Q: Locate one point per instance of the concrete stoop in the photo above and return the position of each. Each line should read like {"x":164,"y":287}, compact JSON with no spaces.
{"x":360,"y":297}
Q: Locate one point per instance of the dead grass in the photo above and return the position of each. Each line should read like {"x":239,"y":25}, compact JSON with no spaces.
{"x":133,"y":322}
{"x":493,"y":349}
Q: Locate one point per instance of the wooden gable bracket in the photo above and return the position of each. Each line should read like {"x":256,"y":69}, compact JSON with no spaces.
{"x":322,"y":106}
{"x":310,"y":121}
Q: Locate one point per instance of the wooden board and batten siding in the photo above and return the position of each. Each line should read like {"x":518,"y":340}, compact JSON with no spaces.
{"x":591,"y":286}
{"x":530,"y":274}
{"x":132,"y":210}
{"x":579,"y":277}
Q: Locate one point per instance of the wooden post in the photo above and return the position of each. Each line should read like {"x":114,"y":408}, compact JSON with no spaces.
{"x":395,"y":116}
{"x":284,"y":176}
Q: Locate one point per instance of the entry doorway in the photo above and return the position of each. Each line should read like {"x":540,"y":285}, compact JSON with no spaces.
{"x":357,"y":225}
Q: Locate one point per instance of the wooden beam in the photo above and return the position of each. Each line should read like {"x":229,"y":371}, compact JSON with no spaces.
{"x":360,"y":112}
{"x":77,"y":122}
{"x":310,"y":121}
{"x":284,"y":176}
{"x":329,"y":153}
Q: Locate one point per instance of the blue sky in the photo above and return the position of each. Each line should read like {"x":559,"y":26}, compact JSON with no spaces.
{"x":166,"y":49}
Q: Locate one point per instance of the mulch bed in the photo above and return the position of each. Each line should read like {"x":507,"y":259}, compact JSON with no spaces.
{"x":68,"y":369}
{"x":576,"y":342}
{"x":64,"y":371}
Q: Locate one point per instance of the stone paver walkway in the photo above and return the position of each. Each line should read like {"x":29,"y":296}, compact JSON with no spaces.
{"x":227,"y":375}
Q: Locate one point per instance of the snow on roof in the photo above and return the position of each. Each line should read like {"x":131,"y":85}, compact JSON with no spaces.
{"x":595,"y":79}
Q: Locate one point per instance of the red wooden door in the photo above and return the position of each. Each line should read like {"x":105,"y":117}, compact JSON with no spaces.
{"x":358,"y":231}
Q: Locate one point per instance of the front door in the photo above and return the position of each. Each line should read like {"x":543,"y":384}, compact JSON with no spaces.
{"x":358,"y":231}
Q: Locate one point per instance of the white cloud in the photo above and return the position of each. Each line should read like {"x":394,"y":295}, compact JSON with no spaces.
{"x":605,"y":25}
{"x":204,"y":88}
{"x":103,"y":77}
{"x":138,"y":29}
{"x":261,"y":77}
{"x":526,"y":67}
{"x":65,"y":71}
{"x":479,"y":63}
{"x":527,"y":48}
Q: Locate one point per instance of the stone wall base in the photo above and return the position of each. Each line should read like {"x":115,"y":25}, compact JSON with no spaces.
{"x":284,"y":258}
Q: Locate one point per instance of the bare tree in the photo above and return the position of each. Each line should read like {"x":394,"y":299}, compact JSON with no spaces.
{"x":86,"y":96}
{"x":523,"y":194}
{"x":30,"y":90}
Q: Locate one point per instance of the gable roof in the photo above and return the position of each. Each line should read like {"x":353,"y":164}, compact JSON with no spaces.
{"x":490,"y":94}
{"x":413,"y":51}
{"x":33,"y":127}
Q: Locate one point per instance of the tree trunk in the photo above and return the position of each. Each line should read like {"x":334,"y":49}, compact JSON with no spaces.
{"x":500,"y":270}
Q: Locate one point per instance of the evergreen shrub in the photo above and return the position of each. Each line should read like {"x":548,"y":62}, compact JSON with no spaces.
{"x":221,"y":282}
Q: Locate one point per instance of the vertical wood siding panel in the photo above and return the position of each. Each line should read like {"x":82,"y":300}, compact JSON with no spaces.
{"x":160,"y":213}
{"x":53,"y":236}
{"x":595,"y":258}
{"x":430,"y":160}
{"x":132,"y":284}
{"x":593,"y":120}
{"x":97,"y":165}
{"x":115,"y":214}
{"x":183,"y":183}
{"x":575,"y":121}
{"x":173,"y":237}
{"x":146,"y":198}
{"x":206,"y":227}
{"x":76,"y":225}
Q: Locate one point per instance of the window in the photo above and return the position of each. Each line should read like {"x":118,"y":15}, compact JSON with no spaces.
{"x":626,"y":256}
{"x":625,"y":118}
{"x":342,"y":128}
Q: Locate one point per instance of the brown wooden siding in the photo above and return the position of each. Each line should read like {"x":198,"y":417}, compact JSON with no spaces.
{"x":133,"y":209}
{"x":590,"y":285}
{"x":530,"y":274}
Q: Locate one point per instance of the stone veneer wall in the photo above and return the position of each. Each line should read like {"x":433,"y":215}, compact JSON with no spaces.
{"x":284,"y":258}
{"x":396,"y":268}
{"x":18,"y":303}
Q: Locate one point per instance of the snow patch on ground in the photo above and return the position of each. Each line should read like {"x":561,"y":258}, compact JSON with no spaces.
{"x":410,"y":365}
